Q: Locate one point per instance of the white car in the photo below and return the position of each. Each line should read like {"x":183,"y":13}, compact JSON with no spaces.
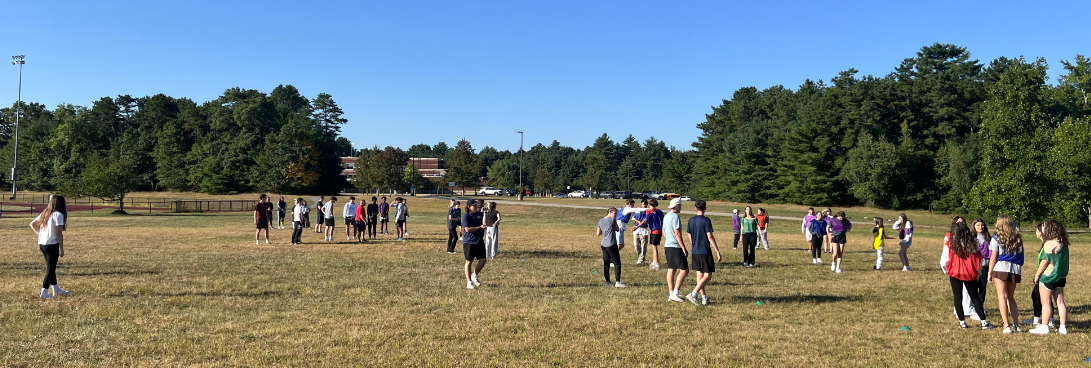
{"x":577,"y":194}
{"x":685,"y":198}
{"x":490,"y":191}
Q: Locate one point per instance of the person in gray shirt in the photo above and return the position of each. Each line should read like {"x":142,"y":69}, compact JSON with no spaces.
{"x":611,"y":250}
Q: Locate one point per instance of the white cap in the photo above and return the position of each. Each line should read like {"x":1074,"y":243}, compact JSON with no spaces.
{"x":735,"y":210}
{"x":675,"y":203}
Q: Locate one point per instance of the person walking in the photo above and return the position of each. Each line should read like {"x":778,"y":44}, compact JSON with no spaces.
{"x":349,"y":213}
{"x":640,"y":233}
{"x":961,"y":261}
{"x":327,"y":210}
{"x":49,"y":227}
{"x":653,"y":217}
{"x":878,"y":241}
{"x":675,"y":250}
{"x":703,"y":240}
{"x":839,"y":227}
{"x":749,"y":227}
{"x":1052,"y":274}
{"x":298,"y":221}
{"x":608,"y":228}
{"x":281,"y":208}
{"x":818,"y":233}
{"x":905,"y":236}
{"x":373,"y":218}
{"x":807,"y":228}
{"x":763,"y":227}
{"x":828,"y":239}
{"x":454,"y":218}
{"x":492,"y":231}
{"x":261,"y":219}
{"x":320,"y":219}
{"x":735,"y":227}
{"x":384,"y":216}
{"x":473,"y":244}
{"x":1006,"y":265}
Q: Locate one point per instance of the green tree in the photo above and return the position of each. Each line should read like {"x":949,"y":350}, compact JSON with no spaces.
{"x":543,"y":181}
{"x":1070,"y":167}
{"x":106,"y":178}
{"x":464,"y":167}
{"x":504,"y":173}
{"x":872,"y":171}
{"x":328,"y":114}
{"x":1079,"y":75}
{"x":595,"y":176}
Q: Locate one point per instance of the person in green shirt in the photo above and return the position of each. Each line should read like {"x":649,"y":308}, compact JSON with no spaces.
{"x":749,"y":224}
{"x":1052,"y":274}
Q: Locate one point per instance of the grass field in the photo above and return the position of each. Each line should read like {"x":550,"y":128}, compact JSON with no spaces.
{"x":194,"y":290}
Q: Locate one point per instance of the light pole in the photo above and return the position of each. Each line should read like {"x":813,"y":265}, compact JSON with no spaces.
{"x":17,"y":60}
{"x":521,"y":190}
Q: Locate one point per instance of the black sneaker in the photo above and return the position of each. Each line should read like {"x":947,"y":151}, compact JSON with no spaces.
{"x":985,"y":325}
{"x":962,"y":324}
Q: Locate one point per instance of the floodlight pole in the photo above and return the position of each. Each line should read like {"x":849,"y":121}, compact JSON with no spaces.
{"x":521,"y":190}
{"x":17,"y":60}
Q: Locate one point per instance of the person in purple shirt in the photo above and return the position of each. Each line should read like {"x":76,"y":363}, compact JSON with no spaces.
{"x":807,"y":226}
{"x":736,"y":226}
{"x":654,"y":219}
{"x":839,"y":226}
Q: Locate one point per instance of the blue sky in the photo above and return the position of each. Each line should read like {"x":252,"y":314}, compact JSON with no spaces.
{"x":409,"y":72}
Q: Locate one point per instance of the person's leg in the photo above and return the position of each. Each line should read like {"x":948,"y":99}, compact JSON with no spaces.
{"x":702,"y":279}
{"x":266,"y":234}
{"x":615,"y":257}
{"x":606,"y":264}
{"x":670,"y":279}
{"x":1002,"y":301}
{"x":51,"y":254}
{"x":1046,"y":296}
{"x":975,"y":299}
{"x":763,"y":237}
{"x":840,"y":249}
{"x":879,"y":258}
{"x":1062,"y":307}
{"x":641,"y":248}
{"x":956,"y":292}
{"x":745,"y":252}
{"x":736,"y":243}
{"x":982,"y":282}
{"x":903,"y":254}
{"x":816,"y":246}
{"x":480,"y":266}
{"x":680,"y":278}
{"x":1036,"y":300}
{"x":469,"y":264}
{"x":1013,"y":307}
{"x":753,"y":248}
{"x":257,"y":235}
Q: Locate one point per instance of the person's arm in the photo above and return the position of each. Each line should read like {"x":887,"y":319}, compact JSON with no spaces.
{"x":944,"y":258}
{"x":34,"y":226}
{"x":1041,"y":269}
{"x":499,"y":217}
{"x":598,"y":231}
{"x":681,"y":241}
{"x":909,"y":232}
{"x":60,"y":240}
{"x":712,"y":240}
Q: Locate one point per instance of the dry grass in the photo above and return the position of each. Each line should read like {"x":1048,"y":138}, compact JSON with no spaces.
{"x":184,"y":290}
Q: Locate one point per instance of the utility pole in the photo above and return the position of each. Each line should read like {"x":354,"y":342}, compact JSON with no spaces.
{"x":17,"y":60}
{"x":521,"y":190}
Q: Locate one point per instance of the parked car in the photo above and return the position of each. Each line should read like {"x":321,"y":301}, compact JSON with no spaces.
{"x":559,"y":195}
{"x":652,"y":195}
{"x":606,"y":194}
{"x":685,"y":198}
{"x":490,"y":191}
{"x":623,"y":194}
{"x":577,"y":194}
{"x":668,"y":196}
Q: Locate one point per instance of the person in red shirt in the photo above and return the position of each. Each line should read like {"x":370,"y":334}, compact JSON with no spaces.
{"x":361,"y":221}
{"x":261,"y":218}
{"x":763,"y":230}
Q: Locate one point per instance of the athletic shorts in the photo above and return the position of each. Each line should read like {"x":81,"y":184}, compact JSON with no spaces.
{"x":473,"y":251}
{"x":349,"y":221}
{"x":360,"y":224}
{"x":384,"y":219}
{"x":905,"y":243}
{"x":839,"y":238}
{"x":262,"y":224}
{"x":1054,"y":285}
{"x":656,"y":238}
{"x":703,"y":263}
{"x":329,"y":221}
{"x":809,"y":235}
{"x":676,"y":259}
{"x":399,"y":223}
{"x":1007,"y":276}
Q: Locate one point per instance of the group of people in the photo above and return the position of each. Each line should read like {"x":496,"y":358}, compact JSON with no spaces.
{"x":827,"y":232}
{"x":362,"y":221}
{"x":480,"y":235}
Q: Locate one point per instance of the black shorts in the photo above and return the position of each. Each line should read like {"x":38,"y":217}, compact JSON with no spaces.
{"x":262,"y":224}
{"x":399,"y":223}
{"x":703,"y":263}
{"x":473,"y":251}
{"x":349,"y":221}
{"x":1054,"y":285}
{"x":655,"y":239}
{"x":839,"y":238}
{"x":360,"y":225}
{"x":329,"y":221}
{"x":386,"y":219}
{"x":676,"y":259}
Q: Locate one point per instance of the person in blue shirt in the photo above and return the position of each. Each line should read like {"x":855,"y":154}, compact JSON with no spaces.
{"x":640,"y":233}
{"x":818,"y":234}
{"x":703,"y":242}
{"x":473,"y":242}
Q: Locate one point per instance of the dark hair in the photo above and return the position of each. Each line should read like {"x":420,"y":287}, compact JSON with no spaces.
{"x":653,"y":202}
{"x":333,"y":199}
{"x":1054,"y":230}
{"x":762,"y":210}
{"x":962,"y":240}
{"x":748,"y":212}
{"x":810,"y":209}
{"x":699,"y":205}
{"x":841,"y":214}
{"x":984,"y":226}
{"x":384,"y":198}
{"x":629,"y":202}
{"x":261,"y":197}
{"x":353,"y":198}
{"x":373,"y":199}
{"x":611,"y":209}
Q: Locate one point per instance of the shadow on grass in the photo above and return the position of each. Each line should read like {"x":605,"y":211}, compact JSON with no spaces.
{"x":206,"y":294}
{"x":799,"y":299}
{"x":113,"y":273}
{"x":551,"y":254}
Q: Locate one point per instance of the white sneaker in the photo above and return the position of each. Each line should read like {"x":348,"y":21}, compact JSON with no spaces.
{"x":638,"y":263}
{"x":1018,"y":328}
{"x":986,"y":325}
{"x":257,"y":242}
{"x":45,"y":294}
{"x":675,"y":298}
{"x":473,"y":278}
{"x":1040,"y":330}
{"x":266,"y":241}
{"x":905,"y":268}
{"x":469,"y":285}
{"x":654,"y":266}
{"x":814,"y":260}
{"x":705,"y":300}
{"x":619,"y":284}
{"x":1033,"y":321}
{"x":820,"y":261}
{"x":57,"y":291}
{"x":838,"y":270}
{"x":1007,"y":330}
{"x":1062,"y":330}
{"x":962,"y":324}
{"x":833,"y":266}
{"x":692,"y":299}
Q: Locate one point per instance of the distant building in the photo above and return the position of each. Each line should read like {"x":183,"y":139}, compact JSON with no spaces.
{"x":428,"y":167}
{"x":348,"y":167}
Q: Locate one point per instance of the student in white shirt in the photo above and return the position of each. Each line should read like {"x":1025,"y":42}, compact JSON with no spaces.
{"x":349,"y":213}
{"x":50,"y":226}
{"x":298,"y":221}
{"x":327,"y":211}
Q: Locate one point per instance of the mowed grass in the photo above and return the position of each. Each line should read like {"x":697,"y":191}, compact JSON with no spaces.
{"x":194,"y":290}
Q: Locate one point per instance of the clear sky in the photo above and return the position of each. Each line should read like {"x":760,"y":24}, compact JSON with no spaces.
{"x":409,"y":72}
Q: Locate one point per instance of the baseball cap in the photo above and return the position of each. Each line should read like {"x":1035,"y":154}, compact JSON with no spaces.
{"x":735,"y":210}
{"x":675,"y":202}
{"x":472,"y":202}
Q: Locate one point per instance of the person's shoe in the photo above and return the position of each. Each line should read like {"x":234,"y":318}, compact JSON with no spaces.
{"x":1052,"y":323}
{"x":638,"y":263}
{"x":399,"y":239}
{"x":257,"y":242}
{"x":985,"y":325}
{"x":1018,"y":328}
{"x":814,"y":260}
{"x":875,"y":268}
{"x":1007,"y":330}
{"x":1040,"y":330}
{"x":45,"y":294}
{"x":705,"y":300}
{"x":654,"y":266}
{"x":1062,"y":330}
{"x":692,"y":299}
{"x":469,"y":285}
{"x":735,"y":248}
{"x":57,"y":291}
{"x":675,"y":298}
{"x":608,"y":284}
{"x":266,"y":241}
{"x":750,"y":265}
{"x":473,"y":278}
{"x":838,"y":270}
{"x":450,"y":252}
{"x":1033,"y":321}
{"x":905,"y":268}
{"x":619,"y":284}
{"x":962,"y":324}
{"x":833,"y":266}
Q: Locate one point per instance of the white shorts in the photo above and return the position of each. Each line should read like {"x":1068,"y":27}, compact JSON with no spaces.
{"x":809,"y":235}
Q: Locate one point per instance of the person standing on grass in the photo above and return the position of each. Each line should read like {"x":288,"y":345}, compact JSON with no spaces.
{"x":327,"y":210}
{"x":749,"y":224}
{"x":967,"y":306}
{"x":703,"y":242}
{"x":623,"y":217}
{"x":654,"y":219}
{"x":828,"y":239}
{"x":306,"y":215}
{"x":608,"y":228}
{"x":281,"y":208}
{"x":1052,"y":274}
{"x":321,"y":218}
{"x":640,"y":233}
{"x":818,"y":233}
{"x":878,"y":241}
{"x":261,"y":219}
{"x":361,"y":221}
{"x":839,"y":227}
{"x":298,"y":221}
{"x":49,"y":226}
{"x":807,"y":227}
{"x":1006,"y":265}
{"x":384,"y":216}
{"x":399,"y":217}
{"x":492,"y":231}
{"x":905,"y":236}
{"x":983,"y":238}
{"x":349,"y":213}
{"x":372,"y":218}
{"x":763,"y":227}
{"x":1035,"y":293}
{"x":961,"y":261}
{"x":473,"y":243}
{"x":675,"y":250}
{"x":736,"y":227}
{"x":454,"y":217}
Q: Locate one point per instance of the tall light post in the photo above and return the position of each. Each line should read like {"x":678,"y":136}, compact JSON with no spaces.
{"x":17,"y":60}
{"x":521,"y":190}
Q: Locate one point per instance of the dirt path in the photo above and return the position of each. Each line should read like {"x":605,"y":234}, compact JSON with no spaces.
{"x":710,"y":213}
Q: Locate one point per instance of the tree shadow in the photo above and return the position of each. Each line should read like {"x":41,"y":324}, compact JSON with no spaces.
{"x":113,"y":273}
{"x":798,"y":299}
{"x":550,"y":254}
{"x":205,"y":294}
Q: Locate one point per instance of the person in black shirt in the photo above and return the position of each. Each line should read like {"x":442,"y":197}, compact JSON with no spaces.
{"x":492,"y":232}
{"x":473,"y":245}
{"x":282,"y":207}
{"x":454,"y":219}
{"x":372,"y":217}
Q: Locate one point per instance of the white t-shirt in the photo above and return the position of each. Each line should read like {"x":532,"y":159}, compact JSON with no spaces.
{"x":297,"y":213}
{"x":349,"y":211}
{"x":48,"y":233}
{"x":327,"y":210}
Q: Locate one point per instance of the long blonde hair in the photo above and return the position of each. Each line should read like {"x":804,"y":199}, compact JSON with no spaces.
{"x":56,"y":203}
{"x":1007,"y":235}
